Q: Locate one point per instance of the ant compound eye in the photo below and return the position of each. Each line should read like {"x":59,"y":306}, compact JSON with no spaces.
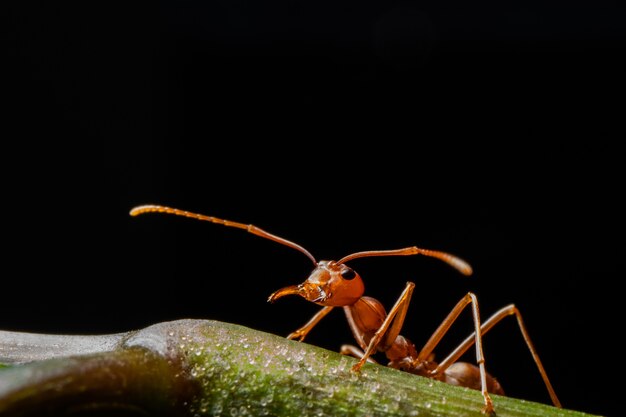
{"x":348,"y":274}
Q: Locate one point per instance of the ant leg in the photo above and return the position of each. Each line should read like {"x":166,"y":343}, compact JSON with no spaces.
{"x":351,"y":350}
{"x":428,"y":348}
{"x":301,"y":333}
{"x":391,"y":327}
{"x":487,"y":325}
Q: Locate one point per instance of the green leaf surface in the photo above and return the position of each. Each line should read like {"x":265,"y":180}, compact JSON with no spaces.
{"x":210,"y":368}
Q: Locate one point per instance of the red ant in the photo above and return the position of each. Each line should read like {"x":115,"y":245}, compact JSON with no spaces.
{"x":334,"y":284}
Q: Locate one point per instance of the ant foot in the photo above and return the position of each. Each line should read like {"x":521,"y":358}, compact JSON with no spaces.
{"x":488,"y":408}
{"x":299,"y":336}
{"x":357,"y":366}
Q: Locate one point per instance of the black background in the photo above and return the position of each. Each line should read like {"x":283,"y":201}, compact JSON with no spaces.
{"x":490,"y":130}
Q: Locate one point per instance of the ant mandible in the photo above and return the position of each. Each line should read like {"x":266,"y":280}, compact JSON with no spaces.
{"x":334,"y":284}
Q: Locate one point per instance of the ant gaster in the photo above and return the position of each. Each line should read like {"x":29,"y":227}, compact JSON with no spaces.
{"x":334,"y":284}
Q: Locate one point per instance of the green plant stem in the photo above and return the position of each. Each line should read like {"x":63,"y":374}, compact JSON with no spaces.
{"x":209,"y":368}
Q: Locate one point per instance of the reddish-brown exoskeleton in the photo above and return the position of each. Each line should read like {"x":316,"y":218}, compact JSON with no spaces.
{"x":334,"y":284}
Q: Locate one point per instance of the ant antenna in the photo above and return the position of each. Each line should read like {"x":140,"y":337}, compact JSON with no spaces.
{"x":452,"y":260}
{"x":456,"y":262}
{"x":151,"y":208}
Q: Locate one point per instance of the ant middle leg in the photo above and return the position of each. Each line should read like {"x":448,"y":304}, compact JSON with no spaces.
{"x":351,"y":350}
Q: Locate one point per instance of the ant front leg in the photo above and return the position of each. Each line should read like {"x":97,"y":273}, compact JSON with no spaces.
{"x":390,"y":328}
{"x":301,"y":333}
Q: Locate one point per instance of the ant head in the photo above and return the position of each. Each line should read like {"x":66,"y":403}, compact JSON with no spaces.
{"x":329,"y":284}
